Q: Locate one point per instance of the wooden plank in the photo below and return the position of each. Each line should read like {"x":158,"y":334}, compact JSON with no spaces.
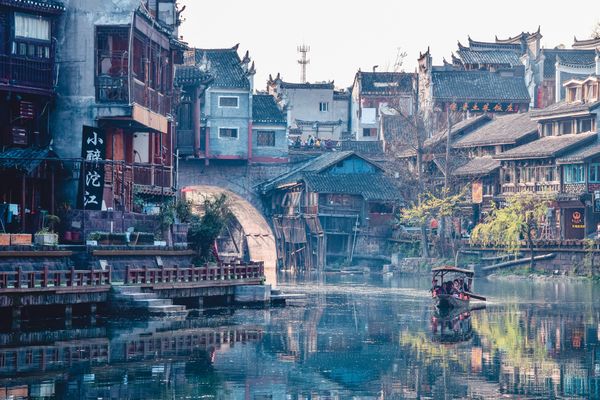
{"x":143,"y":252}
{"x":32,"y":253}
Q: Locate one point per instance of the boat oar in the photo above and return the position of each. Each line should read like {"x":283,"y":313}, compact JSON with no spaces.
{"x":475,"y":296}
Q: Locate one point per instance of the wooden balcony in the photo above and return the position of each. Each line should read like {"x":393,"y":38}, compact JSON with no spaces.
{"x":26,"y":72}
{"x":152,"y":175}
{"x":115,"y":89}
{"x":150,"y":98}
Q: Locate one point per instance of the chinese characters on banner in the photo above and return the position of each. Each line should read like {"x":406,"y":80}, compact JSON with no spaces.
{"x":93,"y":151}
{"x":477,"y":192}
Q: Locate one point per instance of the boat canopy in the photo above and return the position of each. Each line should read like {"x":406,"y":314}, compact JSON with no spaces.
{"x":444,"y":270}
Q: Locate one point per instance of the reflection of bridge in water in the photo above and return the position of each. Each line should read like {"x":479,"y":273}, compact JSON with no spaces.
{"x":43,"y":352}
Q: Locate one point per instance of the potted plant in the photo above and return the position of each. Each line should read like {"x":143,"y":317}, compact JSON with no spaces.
{"x":20,"y":239}
{"x":141,"y":239}
{"x":46,"y":236}
{"x":118,"y":239}
{"x":96,"y":238}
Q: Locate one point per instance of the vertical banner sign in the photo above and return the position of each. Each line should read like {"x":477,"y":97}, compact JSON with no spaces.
{"x":477,"y":192}
{"x":93,"y":151}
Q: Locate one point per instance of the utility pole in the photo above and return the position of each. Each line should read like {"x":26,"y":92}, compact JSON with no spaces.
{"x":303,"y":61}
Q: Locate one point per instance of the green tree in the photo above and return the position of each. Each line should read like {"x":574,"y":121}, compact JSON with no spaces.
{"x":431,"y":206}
{"x":519,"y":219}
{"x":204,"y":230}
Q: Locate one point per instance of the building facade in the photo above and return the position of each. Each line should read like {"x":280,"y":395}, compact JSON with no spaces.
{"x":375,"y":92}
{"x":315,"y":109}
{"x":448,"y":89}
{"x":338,"y":206}
{"x":29,"y":169}
{"x":115,"y":107}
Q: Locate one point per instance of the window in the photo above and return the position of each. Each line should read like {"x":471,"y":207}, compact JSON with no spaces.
{"x":228,"y":101}
{"x":547,"y":129}
{"x":573,"y":173}
{"x":567,"y":127}
{"x":550,"y":174}
{"x":586,"y":125}
{"x":32,"y":27}
{"x":368,"y":132}
{"x":323,"y":106}
{"x":594,"y":173}
{"x":230,"y":133}
{"x":571,"y":94}
{"x":265,"y":138}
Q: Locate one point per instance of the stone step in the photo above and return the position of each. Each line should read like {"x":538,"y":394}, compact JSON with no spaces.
{"x":127,"y":289}
{"x":135,"y":296}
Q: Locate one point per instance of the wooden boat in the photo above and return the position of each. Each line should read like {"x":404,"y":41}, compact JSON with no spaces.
{"x":459,"y":300}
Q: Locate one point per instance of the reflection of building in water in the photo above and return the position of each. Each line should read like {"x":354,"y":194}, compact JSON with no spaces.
{"x":162,"y":349}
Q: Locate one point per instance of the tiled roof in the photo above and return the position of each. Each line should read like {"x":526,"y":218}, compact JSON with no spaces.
{"x":478,"y":166}
{"x":581,"y":155}
{"x":306,"y":85}
{"x":24,"y":160}
{"x":315,"y":165}
{"x":225,"y":68}
{"x":51,"y":7}
{"x":548,"y":146}
{"x":475,"y":45}
{"x":478,"y":86}
{"x":586,"y":43}
{"x":503,"y":129}
{"x":369,"y":186}
{"x":461,"y":127}
{"x":469,"y":56}
{"x":362,"y":146}
{"x":567,"y":56}
{"x":266,"y":110}
{"x":386,"y":82}
{"x":190,"y":75}
{"x":563,"y":108}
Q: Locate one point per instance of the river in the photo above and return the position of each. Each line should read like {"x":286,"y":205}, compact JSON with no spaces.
{"x":353,"y":336}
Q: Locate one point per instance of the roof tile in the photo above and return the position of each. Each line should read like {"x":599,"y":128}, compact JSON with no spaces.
{"x":478,"y":86}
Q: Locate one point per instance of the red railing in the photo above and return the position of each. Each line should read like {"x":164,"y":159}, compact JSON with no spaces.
{"x":26,"y":71}
{"x":228,"y":272}
{"x":47,"y":279}
{"x":152,"y":175}
{"x":150,"y":98}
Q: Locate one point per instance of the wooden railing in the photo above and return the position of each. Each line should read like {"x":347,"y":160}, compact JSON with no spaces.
{"x":150,"y":98}
{"x":47,"y":279}
{"x":531,"y":187}
{"x":145,"y":275}
{"x":25,"y":71}
{"x":152,"y":175}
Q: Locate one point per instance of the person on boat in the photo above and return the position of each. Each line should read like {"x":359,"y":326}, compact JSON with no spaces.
{"x":435,"y":288}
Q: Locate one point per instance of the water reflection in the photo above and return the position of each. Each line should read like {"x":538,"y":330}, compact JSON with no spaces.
{"x":367,"y":336}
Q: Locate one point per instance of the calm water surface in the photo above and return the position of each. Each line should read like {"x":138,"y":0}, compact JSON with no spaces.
{"x":354,"y":336}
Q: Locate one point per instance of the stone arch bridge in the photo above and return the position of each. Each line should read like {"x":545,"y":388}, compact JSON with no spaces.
{"x":239,"y":183}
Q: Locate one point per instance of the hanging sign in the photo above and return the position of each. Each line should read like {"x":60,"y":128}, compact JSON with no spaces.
{"x":93,"y":151}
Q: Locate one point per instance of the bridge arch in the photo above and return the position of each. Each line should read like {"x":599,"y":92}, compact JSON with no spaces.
{"x":258,"y":234}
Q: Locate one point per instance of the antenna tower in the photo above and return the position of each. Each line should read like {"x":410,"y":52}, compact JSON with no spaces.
{"x":303,"y":61}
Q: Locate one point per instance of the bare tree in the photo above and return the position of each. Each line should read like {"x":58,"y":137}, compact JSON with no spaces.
{"x":596,"y":31}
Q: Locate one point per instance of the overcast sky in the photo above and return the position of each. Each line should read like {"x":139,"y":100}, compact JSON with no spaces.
{"x":347,"y":35}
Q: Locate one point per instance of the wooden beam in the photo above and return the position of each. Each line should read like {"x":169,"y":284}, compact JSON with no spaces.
{"x":143,"y":252}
